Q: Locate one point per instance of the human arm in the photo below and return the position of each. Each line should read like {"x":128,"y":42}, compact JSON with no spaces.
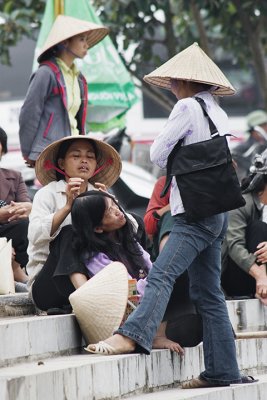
{"x":238,"y":221}
{"x":73,"y":187}
{"x":47,"y":201}
{"x":39,"y":89}
{"x":158,"y":205}
{"x":141,"y":283}
{"x":177,"y":127}
{"x":258,"y":272}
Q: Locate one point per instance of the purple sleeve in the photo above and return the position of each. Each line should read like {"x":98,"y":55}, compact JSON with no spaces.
{"x":97,"y":263}
{"x":141,"y":284}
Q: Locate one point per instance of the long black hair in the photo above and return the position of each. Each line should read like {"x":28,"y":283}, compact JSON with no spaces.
{"x":87,"y":213}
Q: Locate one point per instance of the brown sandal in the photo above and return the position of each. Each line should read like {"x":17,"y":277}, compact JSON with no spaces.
{"x":197,"y":383}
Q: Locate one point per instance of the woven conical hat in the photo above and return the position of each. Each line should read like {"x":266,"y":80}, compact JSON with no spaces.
{"x":99,"y":305}
{"x":191,"y":64}
{"x":107,"y":157}
{"x":65,"y":27}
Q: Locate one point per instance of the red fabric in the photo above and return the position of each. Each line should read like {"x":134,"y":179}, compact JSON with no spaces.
{"x":155,"y":203}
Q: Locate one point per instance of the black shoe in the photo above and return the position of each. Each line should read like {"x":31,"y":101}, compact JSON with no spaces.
{"x":67,"y":309}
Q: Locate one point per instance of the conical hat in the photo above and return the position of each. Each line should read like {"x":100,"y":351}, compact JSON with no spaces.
{"x":65,"y":27}
{"x":107,"y":157}
{"x":191,"y":64}
{"x":99,"y":305}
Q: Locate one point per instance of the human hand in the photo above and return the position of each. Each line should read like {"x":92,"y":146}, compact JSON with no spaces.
{"x":4,"y":214}
{"x":261,"y":286}
{"x":261,"y":253}
{"x":73,"y":189}
{"x":259,"y":274}
{"x":101,"y":186}
{"x":19,"y":210}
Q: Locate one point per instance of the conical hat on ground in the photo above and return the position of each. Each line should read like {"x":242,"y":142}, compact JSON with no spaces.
{"x":99,"y":305}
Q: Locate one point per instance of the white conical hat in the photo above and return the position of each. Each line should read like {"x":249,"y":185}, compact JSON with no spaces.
{"x":65,"y":27}
{"x":191,"y":64}
{"x":107,"y":157}
{"x":99,"y":305}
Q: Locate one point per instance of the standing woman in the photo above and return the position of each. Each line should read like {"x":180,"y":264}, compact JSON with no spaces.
{"x":56,"y":101}
{"x":192,"y":246}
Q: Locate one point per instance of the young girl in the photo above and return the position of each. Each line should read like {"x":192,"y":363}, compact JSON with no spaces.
{"x":56,"y":102}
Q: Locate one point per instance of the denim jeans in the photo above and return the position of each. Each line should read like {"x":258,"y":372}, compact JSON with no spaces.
{"x":196,"y":247}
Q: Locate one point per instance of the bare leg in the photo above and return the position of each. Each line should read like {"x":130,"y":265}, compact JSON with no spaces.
{"x":78,"y":279}
{"x":19,"y":273}
{"x":163,"y":242}
{"x":162,"y":342}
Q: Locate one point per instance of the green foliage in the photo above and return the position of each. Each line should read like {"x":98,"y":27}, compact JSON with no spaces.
{"x":148,"y":32}
{"x":17,"y":19}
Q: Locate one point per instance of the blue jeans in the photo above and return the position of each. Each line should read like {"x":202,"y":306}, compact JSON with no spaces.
{"x":196,"y":247}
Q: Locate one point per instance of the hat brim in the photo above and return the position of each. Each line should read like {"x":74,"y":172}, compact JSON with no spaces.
{"x":99,"y":305}
{"x":193,"y":65}
{"x":107,"y":156}
{"x":66,"y":27}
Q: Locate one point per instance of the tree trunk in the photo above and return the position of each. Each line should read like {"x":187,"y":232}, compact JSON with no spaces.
{"x":203,"y":38}
{"x":254,"y":40}
{"x":170,"y":39}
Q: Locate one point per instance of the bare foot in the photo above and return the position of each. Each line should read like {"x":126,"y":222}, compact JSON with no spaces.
{"x":120,"y":344}
{"x":162,"y":342}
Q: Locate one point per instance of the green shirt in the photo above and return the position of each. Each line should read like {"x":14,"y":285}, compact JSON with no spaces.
{"x":70,"y":75}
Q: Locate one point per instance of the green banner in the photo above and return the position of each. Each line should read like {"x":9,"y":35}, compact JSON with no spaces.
{"x":111,"y":92}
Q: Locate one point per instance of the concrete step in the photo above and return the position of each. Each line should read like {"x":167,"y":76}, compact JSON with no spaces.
{"x":48,"y":336}
{"x":32,"y":337}
{"x":16,"y":305}
{"x":255,"y":391}
{"x":88,"y":376}
{"x":247,"y":315}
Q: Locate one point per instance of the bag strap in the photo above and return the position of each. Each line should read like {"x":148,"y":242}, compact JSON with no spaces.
{"x":169,"y":165}
{"x":213,"y":132}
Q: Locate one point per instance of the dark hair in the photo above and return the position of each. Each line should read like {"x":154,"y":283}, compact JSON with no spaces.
{"x":62,"y":151}
{"x":3,"y":140}
{"x":87,"y":213}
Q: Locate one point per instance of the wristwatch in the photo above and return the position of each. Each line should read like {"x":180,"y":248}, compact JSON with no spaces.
{"x":156,"y":215}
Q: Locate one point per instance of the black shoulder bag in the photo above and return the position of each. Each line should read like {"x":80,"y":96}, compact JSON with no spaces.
{"x":205,"y":175}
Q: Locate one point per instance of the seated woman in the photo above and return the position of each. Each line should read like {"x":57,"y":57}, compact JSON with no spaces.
{"x":244,"y":252}
{"x":15,"y":207}
{"x":66,"y":168}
